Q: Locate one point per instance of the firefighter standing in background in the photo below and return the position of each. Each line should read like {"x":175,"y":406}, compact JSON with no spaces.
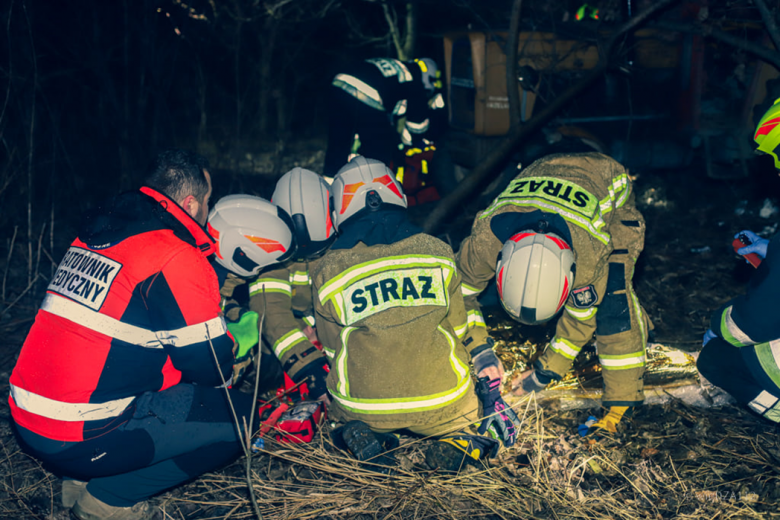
{"x":381,"y":108}
{"x":566,"y":210}
{"x":118,"y":380}
{"x":390,"y":312}
{"x":741,"y":350}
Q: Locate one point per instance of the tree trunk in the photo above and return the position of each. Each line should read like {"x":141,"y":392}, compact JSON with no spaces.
{"x":487,"y":169}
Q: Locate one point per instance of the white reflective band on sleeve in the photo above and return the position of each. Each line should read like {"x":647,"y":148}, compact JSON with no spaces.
{"x":763,"y":402}
{"x":299,"y":278}
{"x":468,"y":290}
{"x":309,"y":320}
{"x":270,"y":287}
{"x":735,"y":331}
{"x":400,"y":108}
{"x":564,"y":348}
{"x":370,"y":92}
{"x":406,"y":137}
{"x":70,"y":412}
{"x":624,"y":362}
{"x":99,"y":323}
{"x":418,"y":128}
{"x":581,"y":314}
{"x":114,"y":328}
{"x":287,"y":341}
{"x":436,"y":101}
{"x":192,"y":334}
{"x":476,"y":319}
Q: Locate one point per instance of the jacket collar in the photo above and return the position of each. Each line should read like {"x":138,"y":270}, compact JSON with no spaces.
{"x":203,"y":240}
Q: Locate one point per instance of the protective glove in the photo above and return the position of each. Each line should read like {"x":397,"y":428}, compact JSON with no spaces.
{"x":497,"y":417}
{"x":245,"y":333}
{"x":315,"y":374}
{"x":483,"y":358}
{"x":758,"y":245}
{"x":532,"y":381}
{"x":707,"y":337}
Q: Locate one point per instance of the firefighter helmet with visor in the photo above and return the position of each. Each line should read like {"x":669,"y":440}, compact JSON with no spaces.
{"x":251,"y":233}
{"x":534,"y":276}
{"x":364,"y":185}
{"x":305,"y":197}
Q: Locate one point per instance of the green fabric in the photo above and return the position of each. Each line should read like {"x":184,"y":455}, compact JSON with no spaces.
{"x":245,"y":332}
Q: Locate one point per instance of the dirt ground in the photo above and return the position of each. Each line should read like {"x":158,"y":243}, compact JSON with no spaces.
{"x":673,"y":461}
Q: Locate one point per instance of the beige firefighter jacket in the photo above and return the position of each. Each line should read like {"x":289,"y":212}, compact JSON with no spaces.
{"x":592,"y":193}
{"x":284,"y":294}
{"x":391,"y":318}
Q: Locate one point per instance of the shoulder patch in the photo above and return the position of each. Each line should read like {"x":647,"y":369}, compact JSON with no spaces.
{"x":85,"y":277}
{"x":584,"y":297}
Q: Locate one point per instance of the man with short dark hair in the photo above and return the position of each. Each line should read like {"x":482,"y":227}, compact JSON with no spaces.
{"x":120,"y":382}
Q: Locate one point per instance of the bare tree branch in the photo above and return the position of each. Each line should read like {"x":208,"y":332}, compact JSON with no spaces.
{"x":488,"y":167}
{"x":769,"y":21}
{"x":395,"y":33}
{"x":760,"y":51}
{"x":410,"y":39}
{"x":511,"y":66}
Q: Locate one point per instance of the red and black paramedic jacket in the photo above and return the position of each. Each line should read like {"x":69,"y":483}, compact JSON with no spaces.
{"x":133,"y":307}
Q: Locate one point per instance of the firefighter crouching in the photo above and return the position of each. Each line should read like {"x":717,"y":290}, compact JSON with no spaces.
{"x":390,"y":315}
{"x":739,"y":352}
{"x":282,"y":291}
{"x":117,"y":383}
{"x":565,"y":210}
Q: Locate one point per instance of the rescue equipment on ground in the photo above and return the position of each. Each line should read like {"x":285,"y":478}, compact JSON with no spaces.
{"x":290,"y":417}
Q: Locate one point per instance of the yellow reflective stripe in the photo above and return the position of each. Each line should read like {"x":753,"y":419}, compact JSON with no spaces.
{"x":564,"y":347}
{"x":385,"y":264}
{"x":410,"y":404}
{"x":543,"y":205}
{"x":288,"y":341}
{"x":468,"y":290}
{"x":328,"y":352}
{"x":461,"y":331}
{"x":342,"y":387}
{"x":623,"y":361}
{"x":300,"y":278}
{"x":475,"y":319}
{"x":581,"y":314}
{"x":270,"y":285}
{"x":638,"y":312}
{"x":69,"y":412}
{"x":357,"y":88}
{"x":309,"y":320}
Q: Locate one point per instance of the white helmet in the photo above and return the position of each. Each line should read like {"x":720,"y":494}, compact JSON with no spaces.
{"x":305,"y":197}
{"x":534,"y":275}
{"x":251,"y":233}
{"x":364,"y":184}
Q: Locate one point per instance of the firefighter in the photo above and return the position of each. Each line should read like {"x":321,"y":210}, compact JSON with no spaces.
{"x":382,"y":108}
{"x":566,"y":235}
{"x":251,"y":233}
{"x":739,"y":350}
{"x":121,"y":382}
{"x":390,"y":314}
{"x":282,"y":292}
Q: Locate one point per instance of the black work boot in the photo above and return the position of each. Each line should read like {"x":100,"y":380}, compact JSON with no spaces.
{"x":454,"y":452}
{"x":367,"y":446}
